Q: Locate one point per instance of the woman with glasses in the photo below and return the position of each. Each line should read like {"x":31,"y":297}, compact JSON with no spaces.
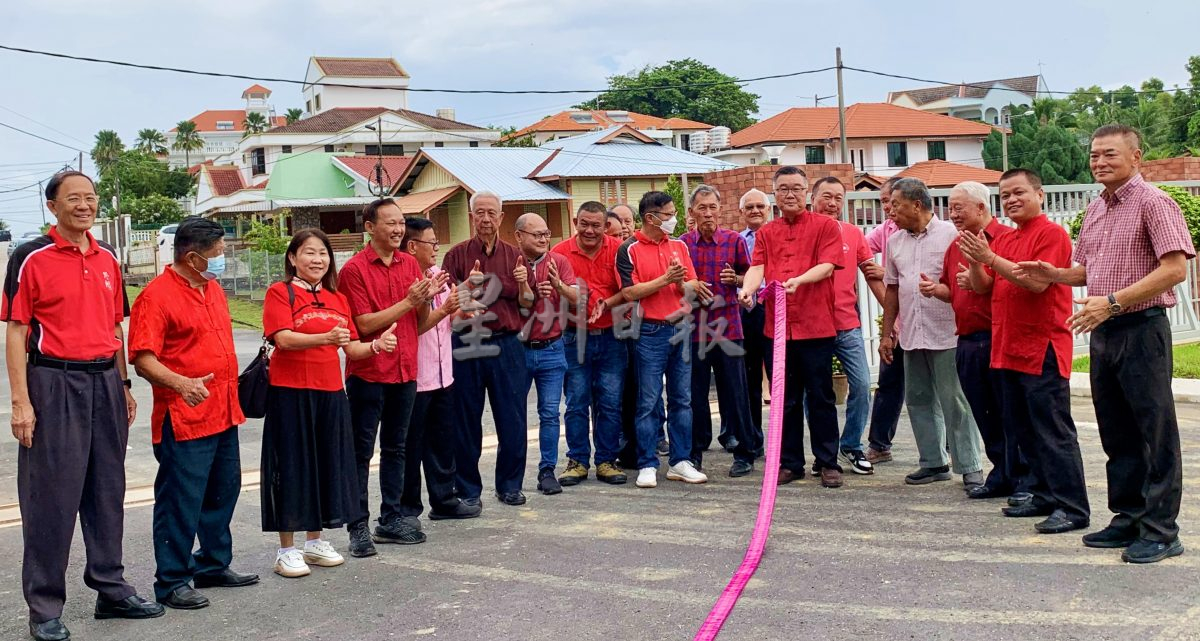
{"x":308,"y":477}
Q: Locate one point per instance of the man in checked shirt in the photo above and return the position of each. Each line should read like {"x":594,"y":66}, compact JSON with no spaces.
{"x":1131,"y":253}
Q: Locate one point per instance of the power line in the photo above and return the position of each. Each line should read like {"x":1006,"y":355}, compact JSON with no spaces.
{"x":215,"y":74}
{"x":53,"y":142}
{"x":58,"y":131}
{"x":1003,"y":88}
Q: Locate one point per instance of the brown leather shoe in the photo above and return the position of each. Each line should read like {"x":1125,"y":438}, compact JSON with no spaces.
{"x":831,"y":477}
{"x":875,"y":456}
{"x":787,"y":476}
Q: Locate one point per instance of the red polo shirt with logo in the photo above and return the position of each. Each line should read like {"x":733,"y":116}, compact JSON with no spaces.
{"x":189,"y":331}
{"x":1024,"y":322}
{"x":789,"y":248}
{"x":641,"y":260}
{"x":71,"y":301}
{"x":599,"y":273}
{"x":972,"y":312}
{"x":371,"y":286}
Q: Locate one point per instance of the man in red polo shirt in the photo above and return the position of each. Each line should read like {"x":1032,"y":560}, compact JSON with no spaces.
{"x":547,"y":279}
{"x":63,"y":304}
{"x":656,"y":271}
{"x":801,"y":250}
{"x":181,"y":339}
{"x":596,"y":361}
{"x":967,"y":286}
{"x":384,"y":285}
{"x":1031,"y":351}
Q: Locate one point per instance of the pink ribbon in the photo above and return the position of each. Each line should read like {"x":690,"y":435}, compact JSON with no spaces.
{"x":766,"y":501}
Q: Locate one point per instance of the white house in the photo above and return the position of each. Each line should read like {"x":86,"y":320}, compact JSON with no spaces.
{"x":675,"y":132}
{"x":882,"y":139}
{"x":981,"y":101}
{"x":369,"y":74}
{"x":221,"y":129}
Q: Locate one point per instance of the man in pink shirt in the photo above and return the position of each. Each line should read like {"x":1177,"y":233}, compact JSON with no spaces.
{"x":828,"y":195}
{"x":432,"y":430}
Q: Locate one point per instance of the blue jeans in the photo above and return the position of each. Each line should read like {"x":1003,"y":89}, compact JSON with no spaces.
{"x":849,"y":349}
{"x":547,"y":367}
{"x":655,"y":357}
{"x":594,"y":389}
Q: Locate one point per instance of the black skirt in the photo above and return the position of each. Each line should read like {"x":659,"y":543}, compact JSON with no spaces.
{"x":308,"y":477}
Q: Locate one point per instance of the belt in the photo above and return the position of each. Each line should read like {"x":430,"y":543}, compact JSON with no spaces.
{"x":977,"y":336}
{"x":91,"y":367}
{"x":542,"y":344}
{"x":598,"y":332}
{"x":1133,"y":318}
{"x":658,"y":323}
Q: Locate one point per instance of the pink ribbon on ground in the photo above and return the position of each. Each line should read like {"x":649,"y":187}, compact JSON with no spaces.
{"x":766,"y":502}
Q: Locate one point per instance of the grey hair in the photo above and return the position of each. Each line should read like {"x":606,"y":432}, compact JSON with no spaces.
{"x":975,"y":191}
{"x":742,"y":201}
{"x":483,"y":194}
{"x":519,"y":224}
{"x":701,"y":191}
{"x":914,"y":190}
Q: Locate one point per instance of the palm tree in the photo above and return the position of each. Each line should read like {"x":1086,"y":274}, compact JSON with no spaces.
{"x":151,"y":141}
{"x":107,"y":150}
{"x":187,"y":140}
{"x":293,"y":115}
{"x":255,"y":123}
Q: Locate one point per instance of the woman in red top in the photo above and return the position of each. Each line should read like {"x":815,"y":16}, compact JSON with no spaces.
{"x":308,"y":476}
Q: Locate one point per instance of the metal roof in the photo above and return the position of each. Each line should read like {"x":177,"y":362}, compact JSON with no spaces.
{"x":590,"y":155}
{"x":501,"y":170}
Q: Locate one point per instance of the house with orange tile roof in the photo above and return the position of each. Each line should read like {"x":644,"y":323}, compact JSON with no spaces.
{"x":941,"y":174}
{"x":676,"y":132}
{"x":882,"y":139}
{"x":222,"y":129}
{"x":985,"y":101}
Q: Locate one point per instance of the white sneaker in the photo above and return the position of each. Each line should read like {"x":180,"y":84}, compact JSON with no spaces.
{"x":686,"y":472}
{"x":291,"y":564}
{"x":647,"y":477}
{"x":321,"y":553}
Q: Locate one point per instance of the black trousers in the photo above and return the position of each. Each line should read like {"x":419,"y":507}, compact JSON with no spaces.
{"x":730,"y":375}
{"x":1131,"y":390}
{"x":627,"y":457}
{"x":75,"y":466}
{"x":195,"y":491}
{"x":502,"y":378}
{"x":981,"y":386}
{"x":756,"y":346}
{"x":382,"y":409}
{"x":1038,"y":408}
{"x":809,"y":366}
{"x":431,"y":437}
{"x":889,"y":400}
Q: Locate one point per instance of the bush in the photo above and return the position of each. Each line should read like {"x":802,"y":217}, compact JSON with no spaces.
{"x":266,"y":237}
{"x":153,"y":209}
{"x":1188,"y":204}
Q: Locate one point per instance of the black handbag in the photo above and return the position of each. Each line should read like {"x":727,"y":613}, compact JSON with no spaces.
{"x":254,"y":383}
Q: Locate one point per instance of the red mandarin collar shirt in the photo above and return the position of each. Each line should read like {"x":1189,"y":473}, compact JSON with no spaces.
{"x":789,"y":248}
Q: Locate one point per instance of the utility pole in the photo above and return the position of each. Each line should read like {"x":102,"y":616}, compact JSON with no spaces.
{"x":81,"y":162}
{"x":41,"y":202}
{"x":379,"y":163}
{"x":1004,"y":148}
{"x":841,"y":107}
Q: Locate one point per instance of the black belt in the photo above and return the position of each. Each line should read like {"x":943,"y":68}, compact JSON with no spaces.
{"x":977,"y":336}
{"x":91,"y":367}
{"x":1133,"y":318}
{"x":542,"y":344}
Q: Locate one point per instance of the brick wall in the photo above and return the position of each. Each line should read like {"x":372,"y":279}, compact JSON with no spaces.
{"x":1171,"y":169}
{"x":732,"y":183}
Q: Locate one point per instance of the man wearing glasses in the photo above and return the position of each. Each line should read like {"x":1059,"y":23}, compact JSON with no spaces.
{"x":755,"y":208}
{"x":543,"y":279}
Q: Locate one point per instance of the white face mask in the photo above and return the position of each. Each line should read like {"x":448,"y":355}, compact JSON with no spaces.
{"x":668,"y":225}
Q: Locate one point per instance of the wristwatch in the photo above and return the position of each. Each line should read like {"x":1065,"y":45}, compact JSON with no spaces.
{"x":1114,"y":307}
{"x":127,"y":383}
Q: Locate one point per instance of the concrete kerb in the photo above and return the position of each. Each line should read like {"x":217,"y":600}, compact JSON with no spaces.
{"x":1185,"y":390}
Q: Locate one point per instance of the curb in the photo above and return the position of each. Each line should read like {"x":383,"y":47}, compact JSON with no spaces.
{"x":1185,"y":390}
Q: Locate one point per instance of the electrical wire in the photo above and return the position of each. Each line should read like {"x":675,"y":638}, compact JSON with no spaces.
{"x":53,"y":142}
{"x":1002,"y":88}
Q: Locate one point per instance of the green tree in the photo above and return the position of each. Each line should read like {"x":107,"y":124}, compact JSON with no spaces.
{"x":3,"y":224}
{"x":106,"y":151}
{"x":267,"y":237}
{"x":255,"y":123}
{"x":1058,"y":154}
{"x":141,"y":175}
{"x":642,"y":91}
{"x":187,"y":140}
{"x":151,"y":141}
{"x":674,"y":188}
{"x":523,"y":141}
{"x":153,"y":209}
{"x":293,"y":115}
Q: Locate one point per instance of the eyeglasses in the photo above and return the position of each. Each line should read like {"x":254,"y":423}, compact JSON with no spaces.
{"x":435,"y":243}
{"x":790,"y":190}
{"x":540,"y":235}
{"x":668,"y":214}
{"x":74,"y":201}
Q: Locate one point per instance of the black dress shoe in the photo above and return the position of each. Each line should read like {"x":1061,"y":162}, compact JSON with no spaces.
{"x":227,"y":578}
{"x":1147,"y":551}
{"x":475,"y":502}
{"x":1058,"y":522}
{"x":1027,"y":509}
{"x":1019,"y":499}
{"x":462,"y":510}
{"x":52,"y":630}
{"x":1110,"y":537}
{"x":740,"y":468}
{"x":184,"y":598}
{"x":134,"y":607}
{"x":515,"y":497}
{"x":985,"y":492}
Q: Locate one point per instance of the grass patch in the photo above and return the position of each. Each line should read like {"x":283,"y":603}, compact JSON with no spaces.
{"x":244,"y":313}
{"x":1186,"y":356}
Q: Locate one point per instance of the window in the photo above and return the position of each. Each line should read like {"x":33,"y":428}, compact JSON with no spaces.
{"x":308,"y":106}
{"x":388,"y":150}
{"x":329,"y":149}
{"x":937,"y":149}
{"x":897,"y":154}
{"x":439,"y":144}
{"x":287,"y":149}
{"x":474,"y":143}
{"x":224,"y":125}
{"x":317,"y":98}
{"x":258,"y":161}
{"x":858,"y":157}
{"x":814,"y":155}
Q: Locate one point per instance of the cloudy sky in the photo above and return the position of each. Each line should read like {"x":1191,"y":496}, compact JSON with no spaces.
{"x":535,"y":44}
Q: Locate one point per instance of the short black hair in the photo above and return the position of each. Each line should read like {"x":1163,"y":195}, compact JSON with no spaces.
{"x":594,"y":207}
{"x":56,"y":181}
{"x":611,"y":214}
{"x":653,"y":200}
{"x":371,"y":211}
{"x":828,"y":180}
{"x":789,"y":170}
{"x":330,"y":279}
{"x":1116,"y":129}
{"x":414,"y":226}
{"x":1032,"y":176}
{"x":196,"y":234}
